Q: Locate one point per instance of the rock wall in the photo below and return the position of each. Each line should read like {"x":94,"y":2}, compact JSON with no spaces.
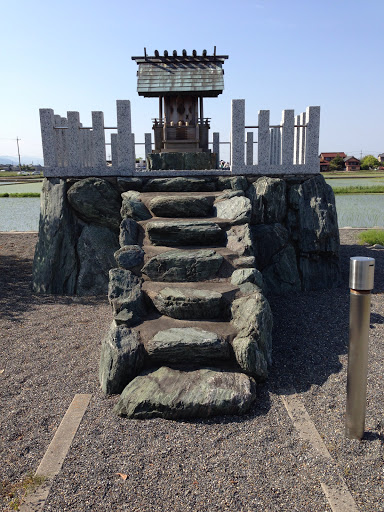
{"x":285,"y":227}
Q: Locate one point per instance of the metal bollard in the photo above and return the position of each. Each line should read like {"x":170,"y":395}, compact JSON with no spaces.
{"x":361,"y":276}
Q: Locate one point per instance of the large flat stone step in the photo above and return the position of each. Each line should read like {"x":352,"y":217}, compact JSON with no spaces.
{"x":156,"y":323}
{"x":175,"y":394}
{"x":172,"y":232}
{"x":187,"y":345}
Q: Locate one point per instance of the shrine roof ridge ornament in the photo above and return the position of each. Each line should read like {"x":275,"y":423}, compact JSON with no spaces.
{"x":184,"y":57}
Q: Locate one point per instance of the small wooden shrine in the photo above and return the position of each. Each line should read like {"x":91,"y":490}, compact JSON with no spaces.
{"x":181,"y":82}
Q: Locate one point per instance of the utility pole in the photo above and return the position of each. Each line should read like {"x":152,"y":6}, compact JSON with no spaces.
{"x":18,"y":151}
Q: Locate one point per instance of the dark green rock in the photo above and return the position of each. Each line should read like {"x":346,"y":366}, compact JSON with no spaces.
{"x":133,"y":208}
{"x":174,"y":394}
{"x":55,"y":263}
{"x":129,"y":256}
{"x":267,"y":241}
{"x":268,"y":197}
{"x":237,"y":209}
{"x":122,"y":357}
{"x":174,"y":233}
{"x":182,"y":265}
{"x":250,"y":358}
{"x":239,"y":240}
{"x":181,"y":206}
{"x":190,"y":303}
{"x":247,"y":275}
{"x":95,"y":250}
{"x":125,"y":184}
{"x":96,"y":201}
{"x":319,"y":271}
{"x":180,"y":184}
{"x":281,"y":276}
{"x":125,"y":296}
{"x":232,"y":182}
{"x":187,"y":345}
{"x":128,"y":232}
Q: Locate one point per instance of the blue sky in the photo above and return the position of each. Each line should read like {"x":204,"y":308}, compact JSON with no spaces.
{"x":76,"y":55}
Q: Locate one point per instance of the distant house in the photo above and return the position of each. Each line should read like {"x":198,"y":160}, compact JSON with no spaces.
{"x":352,"y":163}
{"x":325,"y":158}
{"x":381,"y":157}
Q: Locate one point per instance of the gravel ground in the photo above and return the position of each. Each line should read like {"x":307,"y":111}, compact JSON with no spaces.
{"x":50,"y":348}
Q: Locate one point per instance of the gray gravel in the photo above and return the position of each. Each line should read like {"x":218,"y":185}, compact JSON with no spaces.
{"x":50,"y":348}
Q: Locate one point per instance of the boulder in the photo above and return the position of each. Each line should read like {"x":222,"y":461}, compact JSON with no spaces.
{"x":128,"y":232}
{"x":125,"y":296}
{"x":181,"y":206}
{"x":132,"y":207}
{"x":319,"y":271}
{"x":122,"y":357}
{"x":237,"y":209}
{"x":247,"y":275}
{"x":182,"y":265}
{"x":267,"y":241}
{"x":189,"y":303}
{"x":180,"y":184}
{"x":313,"y":216}
{"x":125,"y":184}
{"x":174,"y":233}
{"x":55,"y":263}
{"x":187,"y":345}
{"x":250,"y":358}
{"x":95,"y":249}
{"x":129,"y":256}
{"x":96,"y":201}
{"x":174,"y":394}
{"x":268,"y":198}
{"x":244,"y":262}
{"x":239,"y":240}
{"x":228,"y":194}
{"x":232,"y":182}
{"x":281,"y":276}
{"x":252,"y":318}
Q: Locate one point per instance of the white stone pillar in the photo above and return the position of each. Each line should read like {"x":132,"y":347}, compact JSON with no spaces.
{"x":271,"y":146}
{"x":237,"y":135}
{"x":64,"y":136}
{"x":58,"y":140}
{"x":114,"y":151}
{"x":287,"y":134}
{"x":249,"y":158}
{"x":73,"y":139}
{"x":312,"y":139}
{"x":132,"y":153}
{"x":47,"y":123}
{"x":98,"y":141}
{"x":148,"y":144}
{"x":263,"y":139}
{"x":302,"y":139}
{"x":296,"y":141}
{"x":124,"y":132}
{"x":216,"y":147}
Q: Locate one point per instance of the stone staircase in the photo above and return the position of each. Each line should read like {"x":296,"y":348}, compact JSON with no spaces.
{"x":192,"y":329}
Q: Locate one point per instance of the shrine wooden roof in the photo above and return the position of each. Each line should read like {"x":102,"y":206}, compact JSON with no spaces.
{"x":169,"y":75}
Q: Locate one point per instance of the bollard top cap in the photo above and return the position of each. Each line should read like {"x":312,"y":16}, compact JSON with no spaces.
{"x":361,"y":273}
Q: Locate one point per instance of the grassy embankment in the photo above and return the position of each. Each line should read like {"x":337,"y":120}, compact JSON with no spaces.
{"x":359,"y":189}
{"x":372,"y":237}
{"x":20,"y":194}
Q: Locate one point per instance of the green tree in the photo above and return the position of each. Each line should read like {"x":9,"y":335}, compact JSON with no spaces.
{"x":369,"y":162}
{"x":336,"y":164}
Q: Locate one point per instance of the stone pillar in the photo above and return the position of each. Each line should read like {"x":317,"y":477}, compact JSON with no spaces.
{"x":237,"y":135}
{"x":64,"y":136}
{"x":148,"y":144}
{"x":74,"y":151}
{"x":47,"y":123}
{"x":132,"y":152}
{"x":302,"y":139}
{"x":114,"y":151}
{"x":312,"y":139}
{"x":124,"y":136}
{"x":263,"y":149}
{"x":249,"y":160}
{"x":287,"y":134}
{"x":98,"y":140}
{"x":296,"y":141}
{"x":58,"y":140}
{"x":216,"y":147}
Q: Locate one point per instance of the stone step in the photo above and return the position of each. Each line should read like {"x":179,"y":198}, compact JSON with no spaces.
{"x":176,"y":231}
{"x":175,"y":394}
{"x":156,"y":323}
{"x":230,"y":260}
{"x":183,"y":265}
{"x":187,"y":345}
{"x":192,"y":300}
{"x":172,"y":205}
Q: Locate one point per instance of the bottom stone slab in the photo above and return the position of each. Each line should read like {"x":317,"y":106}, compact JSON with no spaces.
{"x":175,"y":394}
